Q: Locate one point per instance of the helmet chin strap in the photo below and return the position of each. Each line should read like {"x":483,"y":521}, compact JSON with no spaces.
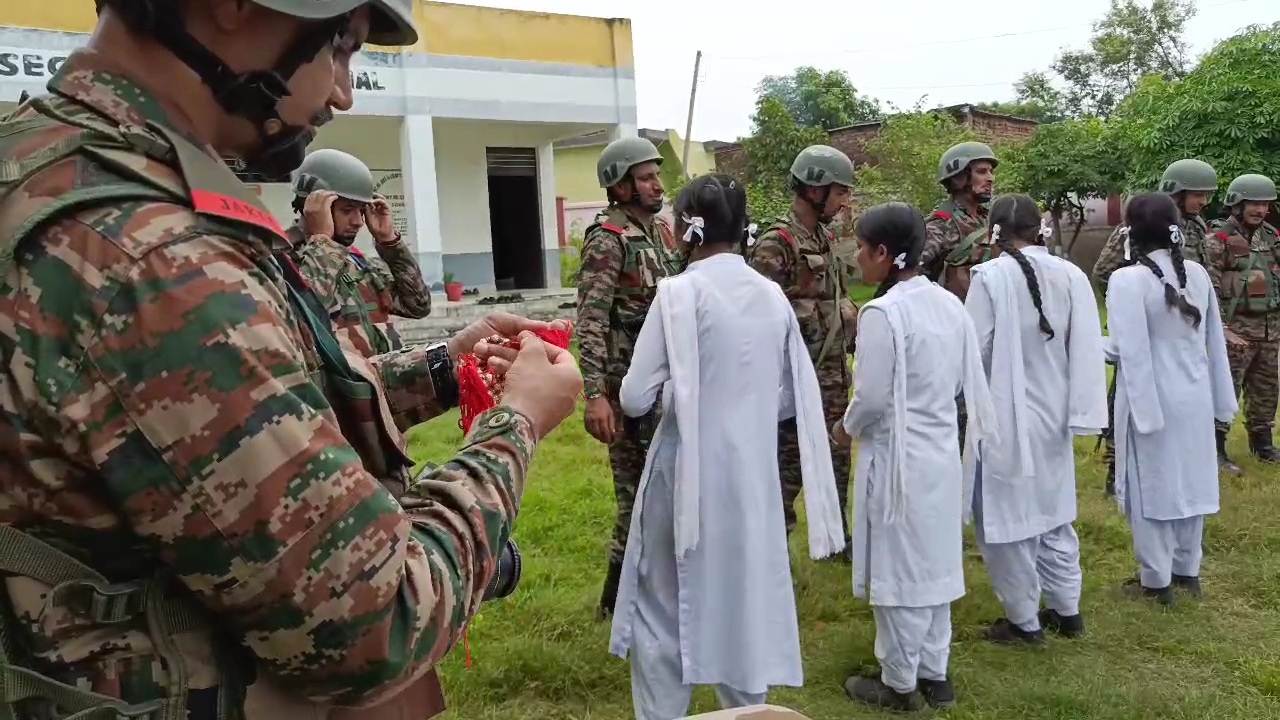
{"x":254,"y":95}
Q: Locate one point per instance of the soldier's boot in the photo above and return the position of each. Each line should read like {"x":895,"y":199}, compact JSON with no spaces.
{"x":1261,"y":446}
{"x":1224,"y":461}
{"x":609,"y":597}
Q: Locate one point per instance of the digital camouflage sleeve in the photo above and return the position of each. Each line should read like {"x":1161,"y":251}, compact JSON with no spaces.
{"x":169,"y":396}
{"x":597,"y":279}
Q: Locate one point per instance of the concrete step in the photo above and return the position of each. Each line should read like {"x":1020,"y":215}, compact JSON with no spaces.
{"x":447,"y":318}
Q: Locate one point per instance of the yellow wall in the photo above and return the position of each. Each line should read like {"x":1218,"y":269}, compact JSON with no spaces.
{"x":444,"y":29}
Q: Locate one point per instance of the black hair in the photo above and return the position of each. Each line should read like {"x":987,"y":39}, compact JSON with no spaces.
{"x":721,"y":202}
{"x":899,"y":228}
{"x":1017,"y":218}
{"x":1153,"y":218}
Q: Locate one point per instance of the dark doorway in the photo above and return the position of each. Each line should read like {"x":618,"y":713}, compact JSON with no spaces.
{"x":515,"y":219}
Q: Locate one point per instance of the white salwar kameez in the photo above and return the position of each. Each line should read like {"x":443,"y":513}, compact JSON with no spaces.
{"x":1045,"y":391}
{"x":705,"y":596}
{"x":916,"y":352}
{"x":1173,"y":382}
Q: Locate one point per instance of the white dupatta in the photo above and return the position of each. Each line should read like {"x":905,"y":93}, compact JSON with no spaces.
{"x":822,"y":507}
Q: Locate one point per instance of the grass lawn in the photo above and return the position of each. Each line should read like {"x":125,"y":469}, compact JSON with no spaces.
{"x":541,"y":653}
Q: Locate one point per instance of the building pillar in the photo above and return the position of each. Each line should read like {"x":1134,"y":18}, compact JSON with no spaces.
{"x":421,"y":195}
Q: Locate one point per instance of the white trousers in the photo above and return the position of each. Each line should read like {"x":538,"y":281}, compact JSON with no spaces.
{"x":658,"y":690}
{"x":1164,"y":548}
{"x":912,"y":643}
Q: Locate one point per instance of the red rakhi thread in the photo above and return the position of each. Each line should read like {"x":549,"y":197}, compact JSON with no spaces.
{"x":479,"y":388}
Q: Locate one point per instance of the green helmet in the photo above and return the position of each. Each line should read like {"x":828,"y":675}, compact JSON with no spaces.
{"x":1258,"y":188}
{"x":392,"y":20}
{"x":334,"y":170}
{"x":1189,"y":174}
{"x":621,"y":155}
{"x":819,"y":165}
{"x":957,"y":158}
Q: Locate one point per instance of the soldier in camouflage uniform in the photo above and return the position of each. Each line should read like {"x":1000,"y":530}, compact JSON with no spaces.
{"x":956,"y":236}
{"x":625,"y":252}
{"x":1242,"y":256}
{"x":191,"y":521}
{"x":797,"y":252}
{"x":334,"y":198}
{"x":1191,"y":183}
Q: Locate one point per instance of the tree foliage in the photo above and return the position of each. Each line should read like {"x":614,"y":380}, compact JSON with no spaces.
{"x":905,"y":158}
{"x":819,"y":99}
{"x":1225,"y":112}
{"x":775,"y":140}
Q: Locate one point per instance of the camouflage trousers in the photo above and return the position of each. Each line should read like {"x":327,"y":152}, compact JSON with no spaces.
{"x":833,"y":381}
{"x":626,"y":459}
{"x":1255,"y":369}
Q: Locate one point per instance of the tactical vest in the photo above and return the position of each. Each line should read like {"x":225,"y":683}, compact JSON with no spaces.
{"x":643,"y":265}
{"x":973,"y":249}
{"x":830,"y":289}
{"x":81,"y":596}
{"x":1250,"y":274}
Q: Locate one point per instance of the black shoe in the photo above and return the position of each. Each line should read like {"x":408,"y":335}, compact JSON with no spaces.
{"x":875,"y":693}
{"x":937,"y":693}
{"x":1162,"y":596}
{"x":1068,"y":626}
{"x":1225,"y":463}
{"x":609,"y":597}
{"x":1003,"y":632}
{"x":1189,"y":585}
{"x":1261,"y":446}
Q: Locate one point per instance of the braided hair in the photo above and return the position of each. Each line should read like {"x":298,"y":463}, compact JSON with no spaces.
{"x":1153,"y":224}
{"x":721,"y":203}
{"x":1017,"y":218}
{"x":899,"y":227}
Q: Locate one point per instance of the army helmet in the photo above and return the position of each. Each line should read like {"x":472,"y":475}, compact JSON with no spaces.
{"x":392,"y":20}
{"x":957,"y":158}
{"x":342,"y":173}
{"x":1189,"y":174}
{"x":621,"y":155}
{"x":1250,"y":187}
{"x":821,"y":165}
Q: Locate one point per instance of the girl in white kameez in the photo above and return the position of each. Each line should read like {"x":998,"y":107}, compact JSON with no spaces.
{"x":1041,"y":343}
{"x":917,"y":351}
{"x":1173,"y":381}
{"x":705,"y":595}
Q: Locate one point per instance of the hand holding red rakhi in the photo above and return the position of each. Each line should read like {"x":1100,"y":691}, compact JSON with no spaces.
{"x":481,"y":387}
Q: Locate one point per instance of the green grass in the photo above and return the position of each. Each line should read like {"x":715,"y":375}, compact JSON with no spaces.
{"x":541,"y":653}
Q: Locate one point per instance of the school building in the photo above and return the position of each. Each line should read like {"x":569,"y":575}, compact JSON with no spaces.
{"x":459,"y":129}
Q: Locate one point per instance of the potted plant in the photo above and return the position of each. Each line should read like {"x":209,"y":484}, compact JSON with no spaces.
{"x":452,"y":290}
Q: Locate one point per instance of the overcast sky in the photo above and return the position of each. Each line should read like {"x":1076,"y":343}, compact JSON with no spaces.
{"x":953,"y":52}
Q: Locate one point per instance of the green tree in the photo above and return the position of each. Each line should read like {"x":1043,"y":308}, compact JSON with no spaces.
{"x":904,"y":159}
{"x":775,"y":140}
{"x":1226,"y":112}
{"x":819,"y":99}
{"x":1063,"y":165}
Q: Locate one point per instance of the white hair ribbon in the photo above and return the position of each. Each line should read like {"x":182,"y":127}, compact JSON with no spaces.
{"x":695,"y":228}
{"x":995,"y":233}
{"x":751,"y":234}
{"x":900,"y":262}
{"x":1175,"y":235}
{"x":1128,"y":248}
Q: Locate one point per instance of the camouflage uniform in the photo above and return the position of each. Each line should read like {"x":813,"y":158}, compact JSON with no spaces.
{"x":170,"y":434}
{"x":622,"y":262}
{"x":1245,"y":270}
{"x":361,"y":293}
{"x":804,"y":264}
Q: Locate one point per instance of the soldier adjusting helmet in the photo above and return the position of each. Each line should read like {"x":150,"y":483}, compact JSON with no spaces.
{"x":1189,"y":175}
{"x":958,"y":157}
{"x":822,"y":165}
{"x":621,"y":155}
{"x":1250,"y":187}
{"x":343,"y":174}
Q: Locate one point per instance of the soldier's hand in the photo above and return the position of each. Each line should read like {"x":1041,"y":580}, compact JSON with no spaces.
{"x":381,"y":221}
{"x":543,"y":384}
{"x":601,"y":421}
{"x":317,"y":213}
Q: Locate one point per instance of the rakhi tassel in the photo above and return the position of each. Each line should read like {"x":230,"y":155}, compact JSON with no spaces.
{"x":479,"y":389}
